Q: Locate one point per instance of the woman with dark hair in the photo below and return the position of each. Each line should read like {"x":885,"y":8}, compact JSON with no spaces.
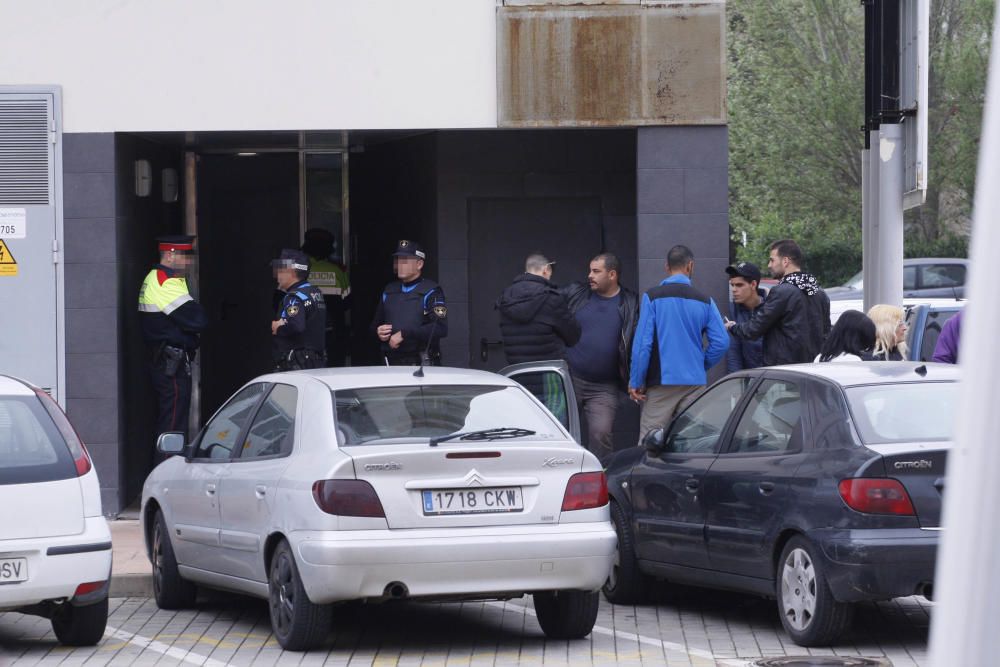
{"x":851,"y":339}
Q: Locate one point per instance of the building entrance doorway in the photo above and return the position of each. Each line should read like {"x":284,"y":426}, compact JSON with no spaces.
{"x":249,"y":207}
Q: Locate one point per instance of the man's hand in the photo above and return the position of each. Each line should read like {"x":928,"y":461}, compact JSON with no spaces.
{"x":637,"y":395}
{"x":396,"y":340}
{"x":384,"y":332}
{"x":275,"y":325}
{"x":729,"y":324}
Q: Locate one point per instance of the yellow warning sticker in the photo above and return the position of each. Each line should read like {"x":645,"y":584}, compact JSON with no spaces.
{"x":8,"y":265}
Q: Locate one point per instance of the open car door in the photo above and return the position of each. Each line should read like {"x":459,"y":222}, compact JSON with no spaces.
{"x":550,"y":383}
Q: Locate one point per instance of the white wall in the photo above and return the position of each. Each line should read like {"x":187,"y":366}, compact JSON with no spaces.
{"x":198,"y":65}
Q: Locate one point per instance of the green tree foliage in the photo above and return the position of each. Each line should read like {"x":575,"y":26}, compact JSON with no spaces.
{"x":796,"y":107}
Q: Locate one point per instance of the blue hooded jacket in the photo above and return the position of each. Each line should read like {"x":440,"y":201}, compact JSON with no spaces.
{"x":676,"y":315}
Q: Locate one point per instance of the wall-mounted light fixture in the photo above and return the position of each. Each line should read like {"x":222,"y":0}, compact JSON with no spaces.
{"x":168,"y":180}
{"x":143,"y":178}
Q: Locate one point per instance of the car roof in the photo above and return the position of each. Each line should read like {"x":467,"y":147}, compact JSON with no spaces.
{"x":837,"y":307}
{"x":392,"y":376}
{"x":934,"y":260}
{"x":11,"y":386}
{"x":853,"y":373}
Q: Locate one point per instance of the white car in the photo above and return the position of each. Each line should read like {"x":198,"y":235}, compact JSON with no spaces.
{"x":55,"y":545}
{"x":314,"y":487}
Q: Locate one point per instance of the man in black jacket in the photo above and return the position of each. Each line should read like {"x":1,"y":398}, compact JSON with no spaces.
{"x":536,"y":324}
{"x":795,"y":318}
{"x":599,"y":362}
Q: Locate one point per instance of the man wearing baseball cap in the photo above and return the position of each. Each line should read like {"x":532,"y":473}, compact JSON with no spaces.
{"x":412,"y":315}
{"x":747,"y":297}
{"x":299,"y":326}
{"x":171,"y":322}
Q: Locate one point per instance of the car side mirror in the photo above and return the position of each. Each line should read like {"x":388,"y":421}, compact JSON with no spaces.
{"x":655,"y":441}
{"x":170,"y":443}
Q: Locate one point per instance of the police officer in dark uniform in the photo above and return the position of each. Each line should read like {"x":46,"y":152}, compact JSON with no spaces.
{"x":412,"y":316}
{"x":171,"y":322}
{"x":299,"y":327}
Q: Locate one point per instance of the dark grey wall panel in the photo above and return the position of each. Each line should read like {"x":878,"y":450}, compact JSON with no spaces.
{"x":682,"y":198}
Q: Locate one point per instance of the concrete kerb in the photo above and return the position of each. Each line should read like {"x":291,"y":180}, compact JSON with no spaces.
{"x":131,"y":572}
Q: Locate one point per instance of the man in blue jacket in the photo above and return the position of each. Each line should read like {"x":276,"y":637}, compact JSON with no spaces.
{"x":669,"y":360}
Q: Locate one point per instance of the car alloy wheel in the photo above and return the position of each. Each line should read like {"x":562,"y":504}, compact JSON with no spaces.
{"x":798,"y":589}
{"x":809,"y":612}
{"x":170,"y":589}
{"x":298,"y":623}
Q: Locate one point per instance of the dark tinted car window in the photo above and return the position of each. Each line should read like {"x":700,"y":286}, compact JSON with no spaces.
{"x":932,"y":330}
{"x":772,"y":421}
{"x":31,"y":448}
{"x":219,"y":437}
{"x":909,"y":277}
{"x":698,"y":429}
{"x":272,"y":430}
{"x":943,"y":275}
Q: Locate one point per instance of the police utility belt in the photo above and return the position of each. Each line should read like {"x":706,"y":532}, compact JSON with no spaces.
{"x":171,"y":360}
{"x":301,"y":359}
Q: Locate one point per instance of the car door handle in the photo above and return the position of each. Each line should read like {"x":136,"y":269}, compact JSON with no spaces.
{"x":210,"y":489}
{"x":260,"y":490}
{"x":766,"y":488}
{"x":692,"y":485}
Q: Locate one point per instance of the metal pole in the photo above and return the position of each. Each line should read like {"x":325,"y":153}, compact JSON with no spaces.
{"x":191,"y":227}
{"x":889,"y":235}
{"x":870,"y":212}
{"x":964,"y":623}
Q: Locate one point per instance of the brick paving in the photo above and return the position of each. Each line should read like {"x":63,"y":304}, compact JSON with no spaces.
{"x":683,"y":627}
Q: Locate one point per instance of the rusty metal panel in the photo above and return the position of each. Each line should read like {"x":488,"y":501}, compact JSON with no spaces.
{"x":615,"y":65}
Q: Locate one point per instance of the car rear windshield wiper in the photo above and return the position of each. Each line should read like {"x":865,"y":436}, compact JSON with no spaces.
{"x":486,"y":434}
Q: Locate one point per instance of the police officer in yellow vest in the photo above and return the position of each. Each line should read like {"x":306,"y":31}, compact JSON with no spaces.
{"x":171,"y":321}
{"x":333,"y":281}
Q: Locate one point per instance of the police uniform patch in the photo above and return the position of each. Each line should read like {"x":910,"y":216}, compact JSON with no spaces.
{"x":440,"y":311}
{"x":293,"y":310}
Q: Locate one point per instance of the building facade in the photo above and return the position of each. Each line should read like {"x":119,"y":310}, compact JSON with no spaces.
{"x":484,"y":129}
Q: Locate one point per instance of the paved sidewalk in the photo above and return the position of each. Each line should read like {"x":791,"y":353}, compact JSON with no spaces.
{"x":131,"y":572}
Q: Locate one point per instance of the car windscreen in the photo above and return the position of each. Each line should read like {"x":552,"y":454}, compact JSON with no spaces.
{"x":905,"y":412}
{"x":31,"y":449}
{"x":380,"y":414}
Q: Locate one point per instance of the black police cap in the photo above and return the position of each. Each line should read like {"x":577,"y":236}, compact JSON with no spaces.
{"x":176,"y":243}
{"x":409,"y":249}
{"x":291,"y":259}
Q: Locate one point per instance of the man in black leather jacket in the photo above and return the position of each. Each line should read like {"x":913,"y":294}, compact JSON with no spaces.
{"x":795,"y":318}
{"x":599,"y":362}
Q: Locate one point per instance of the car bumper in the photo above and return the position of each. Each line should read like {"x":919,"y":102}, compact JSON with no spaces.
{"x":57,"y":565}
{"x":351,"y":565}
{"x":878,"y":564}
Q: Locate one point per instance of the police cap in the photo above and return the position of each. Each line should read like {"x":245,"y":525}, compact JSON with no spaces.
{"x":291,"y":259}
{"x":176,"y":243}
{"x":409,"y":249}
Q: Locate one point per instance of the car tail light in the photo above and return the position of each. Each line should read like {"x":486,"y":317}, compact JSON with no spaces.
{"x":81,"y":459}
{"x":876,"y":496}
{"x":89,"y":587}
{"x":347,"y":497}
{"x":585,"y":490}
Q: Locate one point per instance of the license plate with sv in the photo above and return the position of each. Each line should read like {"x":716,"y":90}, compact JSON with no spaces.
{"x":473,"y":501}
{"x":13,"y":570}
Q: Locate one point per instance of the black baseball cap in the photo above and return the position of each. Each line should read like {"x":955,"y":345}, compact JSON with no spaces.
{"x":409,"y":249}
{"x":744,"y":270}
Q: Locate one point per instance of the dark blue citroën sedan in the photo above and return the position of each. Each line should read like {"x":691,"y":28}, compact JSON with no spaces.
{"x":819,"y":485}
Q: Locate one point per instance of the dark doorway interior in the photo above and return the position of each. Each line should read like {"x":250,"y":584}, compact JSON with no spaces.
{"x":502,"y":233}
{"x":248,"y":210}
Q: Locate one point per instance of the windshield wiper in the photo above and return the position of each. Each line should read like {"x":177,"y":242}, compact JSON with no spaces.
{"x":485,"y":434}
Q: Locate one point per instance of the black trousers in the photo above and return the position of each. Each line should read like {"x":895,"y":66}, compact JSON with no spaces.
{"x":173,"y":396}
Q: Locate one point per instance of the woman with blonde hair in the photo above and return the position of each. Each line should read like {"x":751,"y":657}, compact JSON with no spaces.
{"x":890,"y":332}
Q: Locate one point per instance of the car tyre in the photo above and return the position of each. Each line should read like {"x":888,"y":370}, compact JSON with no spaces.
{"x":169,"y":588}
{"x":808,"y":610}
{"x":626,"y":584}
{"x":298,"y":623}
{"x":567,"y":614}
{"x":80,"y":626}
